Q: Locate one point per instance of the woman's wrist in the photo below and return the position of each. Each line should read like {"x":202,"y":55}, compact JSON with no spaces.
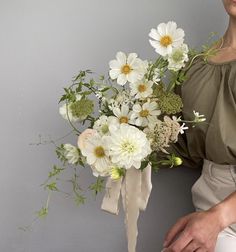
{"x":221,"y":212}
{"x":226,"y":211}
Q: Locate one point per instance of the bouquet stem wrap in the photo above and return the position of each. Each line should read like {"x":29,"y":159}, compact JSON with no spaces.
{"x":135,"y":189}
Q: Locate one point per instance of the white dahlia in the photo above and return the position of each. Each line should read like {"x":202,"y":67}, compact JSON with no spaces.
{"x":141,"y":89}
{"x":96,"y":153}
{"x":128,"y":146}
{"x":166,"y":37}
{"x":127,"y":68}
{"x":145,"y":115}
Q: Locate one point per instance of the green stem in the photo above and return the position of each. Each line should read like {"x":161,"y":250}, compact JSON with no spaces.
{"x":72,"y":125}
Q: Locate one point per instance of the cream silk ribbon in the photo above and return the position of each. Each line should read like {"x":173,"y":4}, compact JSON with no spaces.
{"x":135,"y":189}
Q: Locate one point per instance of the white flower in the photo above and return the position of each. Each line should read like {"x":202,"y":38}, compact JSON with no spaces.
{"x":102,"y":124}
{"x":156,"y":76}
{"x":127,"y":68}
{"x":182,"y":128}
{"x":96,"y":153}
{"x":64,"y":109}
{"x":71,"y":153}
{"x":178,"y":57}
{"x":122,"y":97}
{"x":166,"y":37}
{"x":141,"y":89}
{"x":198,"y":118}
{"x":122,"y":115}
{"x":146,"y":114}
{"x":174,"y":118}
{"x":128,"y":146}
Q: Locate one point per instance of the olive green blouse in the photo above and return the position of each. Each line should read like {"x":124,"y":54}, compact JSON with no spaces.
{"x":210,"y":89}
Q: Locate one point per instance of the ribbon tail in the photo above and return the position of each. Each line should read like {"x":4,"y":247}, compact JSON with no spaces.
{"x":146,"y":187}
{"x":131,"y":189}
{"x":110,"y":201}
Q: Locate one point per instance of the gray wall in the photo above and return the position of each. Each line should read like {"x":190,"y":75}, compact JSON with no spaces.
{"x":43,"y":44}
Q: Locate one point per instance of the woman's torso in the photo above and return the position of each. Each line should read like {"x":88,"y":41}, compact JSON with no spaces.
{"x":211,"y":90}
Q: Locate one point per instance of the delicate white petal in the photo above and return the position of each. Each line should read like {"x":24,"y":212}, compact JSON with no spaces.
{"x":133,"y":76}
{"x":154,"y":43}
{"x":115,"y":64}
{"x":122,"y":79}
{"x":124,"y":109}
{"x":154,"y":34}
{"x":161,"y":28}
{"x":131,"y":58}
{"x":137,"y":108}
{"x":114,"y":73}
{"x":121,"y":57}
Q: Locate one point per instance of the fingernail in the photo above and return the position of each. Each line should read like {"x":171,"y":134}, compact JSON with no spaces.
{"x":164,"y":244}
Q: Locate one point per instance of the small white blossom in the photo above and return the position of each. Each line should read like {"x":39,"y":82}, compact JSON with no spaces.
{"x":146,"y":114}
{"x":178,"y":57}
{"x":141,"y":89}
{"x":198,"y":118}
{"x":71,"y":153}
{"x":127,"y":68}
{"x":166,"y":37}
{"x":96,"y":152}
{"x":102,"y":124}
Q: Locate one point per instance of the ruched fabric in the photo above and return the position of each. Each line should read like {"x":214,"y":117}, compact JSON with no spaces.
{"x":210,"y":89}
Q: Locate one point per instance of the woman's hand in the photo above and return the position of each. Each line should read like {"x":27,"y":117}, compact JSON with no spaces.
{"x":196,"y":231}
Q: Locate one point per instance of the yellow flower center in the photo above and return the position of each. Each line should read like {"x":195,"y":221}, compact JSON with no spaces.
{"x":124,"y":119}
{"x":166,"y":40}
{"x":142,"y":88}
{"x":99,"y":152}
{"x":144,"y":113}
{"x":126,"y":69}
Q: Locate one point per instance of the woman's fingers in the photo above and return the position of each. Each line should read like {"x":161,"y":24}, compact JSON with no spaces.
{"x":200,"y":250}
{"x":176,"y":228}
{"x":191,"y":247}
{"x":181,"y":243}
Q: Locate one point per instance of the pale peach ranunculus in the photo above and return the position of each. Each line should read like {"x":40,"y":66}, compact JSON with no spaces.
{"x":83,"y":137}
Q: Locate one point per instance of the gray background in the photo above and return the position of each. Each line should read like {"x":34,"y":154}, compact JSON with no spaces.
{"x":43,"y":44}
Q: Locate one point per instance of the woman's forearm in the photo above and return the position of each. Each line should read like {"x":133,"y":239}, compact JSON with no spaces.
{"x":226,"y":210}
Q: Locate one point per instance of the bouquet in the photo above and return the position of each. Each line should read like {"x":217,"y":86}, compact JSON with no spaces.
{"x":123,"y":121}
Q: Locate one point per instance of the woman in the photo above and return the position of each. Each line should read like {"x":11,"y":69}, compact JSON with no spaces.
{"x":211,"y":90}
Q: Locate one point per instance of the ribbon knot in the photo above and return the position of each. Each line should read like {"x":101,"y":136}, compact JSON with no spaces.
{"x":135,"y":189}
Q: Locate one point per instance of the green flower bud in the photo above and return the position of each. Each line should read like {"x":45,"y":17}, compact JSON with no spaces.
{"x":170,"y":103}
{"x":82,"y":108}
{"x":177,"y":161}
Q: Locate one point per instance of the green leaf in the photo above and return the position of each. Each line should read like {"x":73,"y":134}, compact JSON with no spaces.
{"x":143,"y":165}
{"x":98,"y":186}
{"x":52,"y":186}
{"x":56,"y":170}
{"x":42,"y":212}
{"x":79,"y":199}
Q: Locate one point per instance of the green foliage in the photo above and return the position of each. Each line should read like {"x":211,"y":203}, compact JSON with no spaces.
{"x":98,"y":186}
{"x":56,"y":171}
{"x":60,"y":153}
{"x":79,"y":199}
{"x":144,"y":164}
{"x":43,"y":212}
{"x":52,"y":186}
